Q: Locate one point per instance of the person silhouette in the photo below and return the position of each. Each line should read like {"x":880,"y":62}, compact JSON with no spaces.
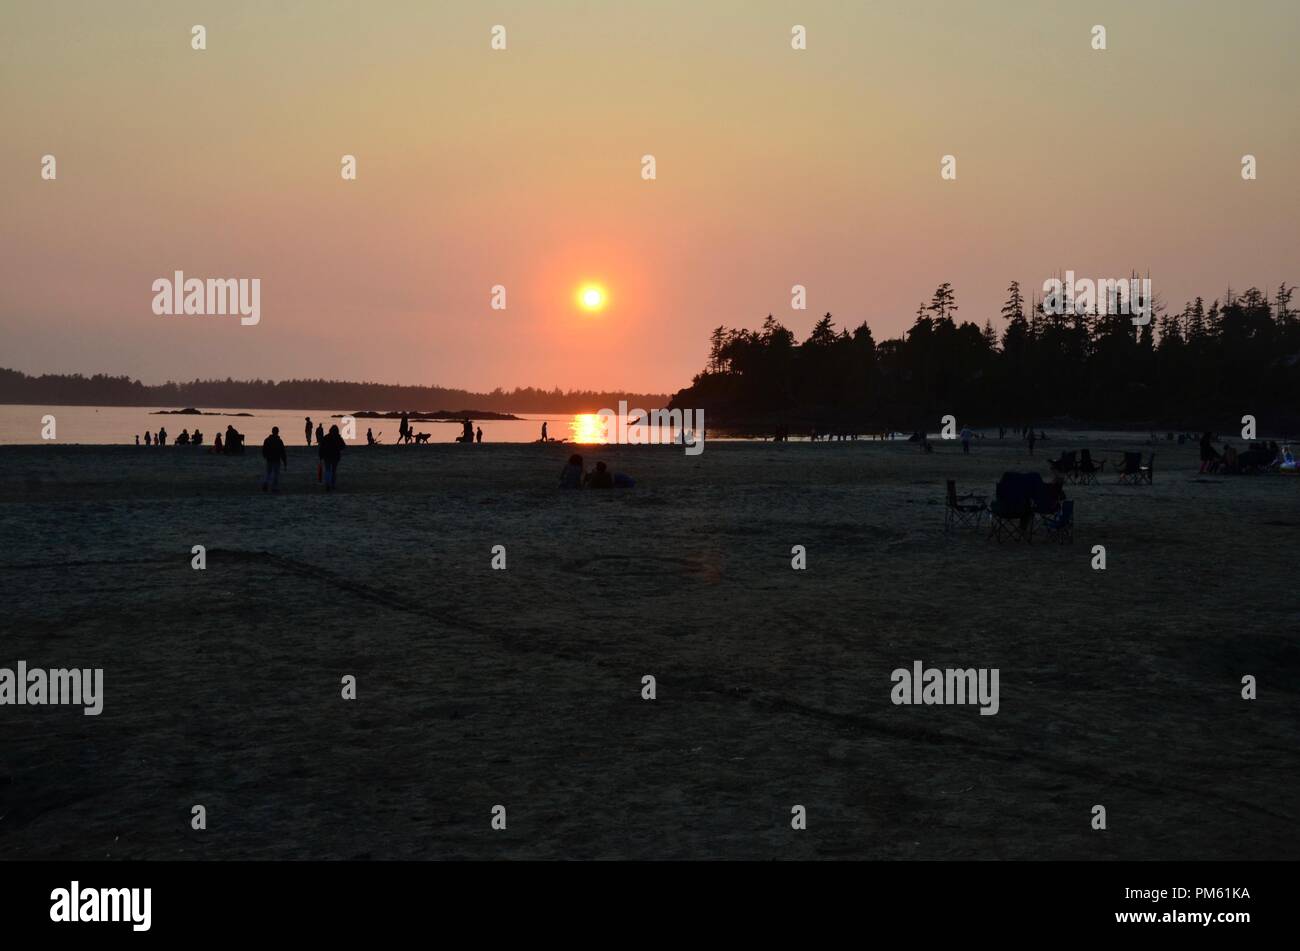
{"x":320,"y":433}
{"x":478,"y":436}
{"x":571,"y":476}
{"x":137,"y":439}
{"x":275,"y":456}
{"x":370,"y":437}
{"x":307,"y":429}
{"x":404,"y":429}
{"x":330,"y":451}
{"x":148,"y":438}
{"x":162,"y":437}
{"x":543,"y":432}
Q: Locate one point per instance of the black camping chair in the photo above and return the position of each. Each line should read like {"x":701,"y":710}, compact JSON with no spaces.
{"x":1146,"y":472}
{"x":962,"y":511}
{"x":1011,"y":515}
{"x":1065,"y":466}
{"x":1130,"y":471}
{"x":1089,"y":470}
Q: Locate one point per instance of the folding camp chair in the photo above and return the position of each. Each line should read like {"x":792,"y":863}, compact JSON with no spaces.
{"x":1065,"y":466}
{"x":1011,"y":515}
{"x":1060,"y":527}
{"x":962,"y":511}
{"x":1089,"y":470}
{"x":1130,"y":472}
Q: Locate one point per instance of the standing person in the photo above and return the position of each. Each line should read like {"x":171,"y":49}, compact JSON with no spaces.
{"x":965,"y":439}
{"x":162,"y":437}
{"x":320,"y":432}
{"x":404,"y":430}
{"x":330,"y":451}
{"x":543,"y":431}
{"x":468,"y":436}
{"x":307,"y":429}
{"x":479,"y":435}
{"x":275,"y":456}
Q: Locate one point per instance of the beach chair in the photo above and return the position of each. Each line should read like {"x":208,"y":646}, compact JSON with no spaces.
{"x":1146,"y":472}
{"x":1089,"y":470}
{"x":1130,"y":471}
{"x":1065,"y":466}
{"x":962,"y":511}
{"x":1011,"y":514}
{"x":1060,"y":527}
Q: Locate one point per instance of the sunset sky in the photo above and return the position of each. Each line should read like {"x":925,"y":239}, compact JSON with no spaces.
{"x":523,"y":168}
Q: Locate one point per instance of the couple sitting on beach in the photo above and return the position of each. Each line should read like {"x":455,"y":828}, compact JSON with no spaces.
{"x":575,"y":476}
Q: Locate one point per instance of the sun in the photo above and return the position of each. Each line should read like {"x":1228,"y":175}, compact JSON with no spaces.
{"x":592,"y":297}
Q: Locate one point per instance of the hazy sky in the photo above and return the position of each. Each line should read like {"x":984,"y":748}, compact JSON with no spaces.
{"x":522,"y":168}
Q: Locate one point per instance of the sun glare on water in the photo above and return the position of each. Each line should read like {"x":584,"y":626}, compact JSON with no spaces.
{"x":588,"y":428}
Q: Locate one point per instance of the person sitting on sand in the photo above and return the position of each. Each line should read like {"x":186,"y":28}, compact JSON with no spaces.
{"x":196,"y":438}
{"x":184,"y":438}
{"x":275,"y":456}
{"x":571,"y":476}
{"x":599,"y":478}
{"x":331,"y":450}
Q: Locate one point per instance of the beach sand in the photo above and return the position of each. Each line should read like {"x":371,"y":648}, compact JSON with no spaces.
{"x":522,"y":687}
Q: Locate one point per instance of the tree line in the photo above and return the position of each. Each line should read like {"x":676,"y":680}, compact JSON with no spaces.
{"x":1202,"y":367}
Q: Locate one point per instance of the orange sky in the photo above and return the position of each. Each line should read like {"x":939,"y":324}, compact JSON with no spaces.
{"x":522,"y":168}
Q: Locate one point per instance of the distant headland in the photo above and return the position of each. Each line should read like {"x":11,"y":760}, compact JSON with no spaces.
{"x":383,"y":398}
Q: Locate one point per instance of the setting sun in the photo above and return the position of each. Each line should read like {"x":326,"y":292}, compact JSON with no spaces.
{"x":591,"y":297}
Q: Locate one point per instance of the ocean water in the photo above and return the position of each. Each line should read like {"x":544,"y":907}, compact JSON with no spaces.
{"x":107,"y":425}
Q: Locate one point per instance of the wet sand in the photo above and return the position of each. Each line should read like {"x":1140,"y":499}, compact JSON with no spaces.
{"x":523,"y":687}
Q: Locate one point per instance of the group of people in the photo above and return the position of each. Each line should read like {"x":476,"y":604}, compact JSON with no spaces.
{"x":329,"y":450}
{"x":233,"y":442}
{"x":186,"y":438}
{"x":574,"y":475}
{"x":1261,"y":456}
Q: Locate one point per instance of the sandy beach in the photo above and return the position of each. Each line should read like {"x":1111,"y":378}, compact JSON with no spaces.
{"x":522,"y":687}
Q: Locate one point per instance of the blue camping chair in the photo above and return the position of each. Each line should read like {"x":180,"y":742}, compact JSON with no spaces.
{"x":1060,"y":527}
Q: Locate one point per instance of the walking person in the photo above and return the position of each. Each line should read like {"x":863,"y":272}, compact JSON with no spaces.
{"x":543,"y":432}
{"x":330,"y":451}
{"x":404,"y":430}
{"x":275,"y":456}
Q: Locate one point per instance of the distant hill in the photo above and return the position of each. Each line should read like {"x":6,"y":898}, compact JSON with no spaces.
{"x":101,"y":390}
